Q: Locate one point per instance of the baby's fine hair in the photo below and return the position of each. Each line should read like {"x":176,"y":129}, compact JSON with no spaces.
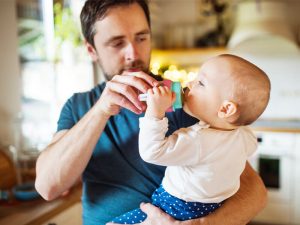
{"x":250,"y":90}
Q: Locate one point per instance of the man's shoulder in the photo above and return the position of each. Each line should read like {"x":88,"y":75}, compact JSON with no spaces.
{"x":89,"y":97}
{"x":81,"y":102}
{"x":95,"y":91}
{"x":77,"y":106}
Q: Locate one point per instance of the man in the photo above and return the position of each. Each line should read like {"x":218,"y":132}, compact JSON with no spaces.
{"x":97,"y":131}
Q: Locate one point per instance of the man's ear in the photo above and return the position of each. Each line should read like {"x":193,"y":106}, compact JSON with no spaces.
{"x":91,"y":50}
{"x":227,"y":109}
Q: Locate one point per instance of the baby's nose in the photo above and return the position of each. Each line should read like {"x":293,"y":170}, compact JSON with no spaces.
{"x":190,"y":85}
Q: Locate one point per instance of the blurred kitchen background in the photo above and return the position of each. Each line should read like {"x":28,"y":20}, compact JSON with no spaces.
{"x":43,"y":61}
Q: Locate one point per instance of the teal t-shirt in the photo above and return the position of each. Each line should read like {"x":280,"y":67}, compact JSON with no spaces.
{"x":116,"y":179}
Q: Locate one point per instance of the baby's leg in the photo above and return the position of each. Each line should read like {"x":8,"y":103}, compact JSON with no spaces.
{"x":132,"y":217}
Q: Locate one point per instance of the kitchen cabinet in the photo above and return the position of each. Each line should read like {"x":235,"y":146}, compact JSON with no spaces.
{"x":296,"y":160}
{"x":277,"y":162}
{"x":185,"y":57}
{"x":181,"y":64}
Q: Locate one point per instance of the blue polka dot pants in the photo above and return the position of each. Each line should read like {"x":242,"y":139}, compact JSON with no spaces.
{"x":132,"y":217}
{"x":175,"y":207}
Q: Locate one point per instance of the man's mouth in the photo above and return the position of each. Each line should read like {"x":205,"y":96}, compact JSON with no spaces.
{"x":133,"y":69}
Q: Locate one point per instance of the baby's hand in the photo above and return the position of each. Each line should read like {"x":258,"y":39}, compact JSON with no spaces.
{"x":159,"y":99}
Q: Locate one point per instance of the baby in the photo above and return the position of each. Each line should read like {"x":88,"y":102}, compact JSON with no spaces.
{"x":204,"y":162}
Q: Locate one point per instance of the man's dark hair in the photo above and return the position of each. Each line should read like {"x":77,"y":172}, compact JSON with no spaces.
{"x":94,"y":10}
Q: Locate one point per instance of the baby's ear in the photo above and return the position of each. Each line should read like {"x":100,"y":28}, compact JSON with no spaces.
{"x":227,"y":109}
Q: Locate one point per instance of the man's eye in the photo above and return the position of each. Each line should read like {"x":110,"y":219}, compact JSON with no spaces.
{"x":141,"y":38}
{"x":117,"y":44}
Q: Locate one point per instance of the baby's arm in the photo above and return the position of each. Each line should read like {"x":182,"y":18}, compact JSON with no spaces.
{"x":154,"y":146}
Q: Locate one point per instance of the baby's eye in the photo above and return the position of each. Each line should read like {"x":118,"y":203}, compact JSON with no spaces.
{"x":200,"y":83}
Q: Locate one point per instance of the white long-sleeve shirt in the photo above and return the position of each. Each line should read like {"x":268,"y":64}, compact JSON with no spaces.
{"x":203,"y":164}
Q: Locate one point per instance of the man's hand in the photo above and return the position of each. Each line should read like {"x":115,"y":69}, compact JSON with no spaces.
{"x":155,"y":216}
{"x":122,"y":91}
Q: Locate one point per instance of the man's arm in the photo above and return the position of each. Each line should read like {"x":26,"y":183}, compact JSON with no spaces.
{"x":250,"y":199}
{"x":237,"y":210}
{"x":61,"y":164}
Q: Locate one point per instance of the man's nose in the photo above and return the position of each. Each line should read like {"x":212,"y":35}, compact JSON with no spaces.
{"x":131,"y":52}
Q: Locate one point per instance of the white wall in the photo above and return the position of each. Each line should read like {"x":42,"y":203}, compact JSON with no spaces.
{"x":10,"y":81}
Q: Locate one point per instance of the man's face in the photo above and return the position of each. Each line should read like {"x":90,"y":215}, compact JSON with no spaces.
{"x":122,"y":41}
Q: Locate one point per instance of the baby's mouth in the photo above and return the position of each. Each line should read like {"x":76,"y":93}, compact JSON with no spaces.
{"x":185,"y":89}
{"x":184,"y":93}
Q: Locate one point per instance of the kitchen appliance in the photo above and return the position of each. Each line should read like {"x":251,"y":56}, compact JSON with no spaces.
{"x":275,"y":161}
{"x":264,"y":36}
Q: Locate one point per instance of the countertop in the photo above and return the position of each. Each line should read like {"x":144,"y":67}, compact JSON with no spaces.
{"x":38,"y":211}
{"x":277,"y":125}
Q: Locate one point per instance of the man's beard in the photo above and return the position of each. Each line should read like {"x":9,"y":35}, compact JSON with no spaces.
{"x":137,"y":65}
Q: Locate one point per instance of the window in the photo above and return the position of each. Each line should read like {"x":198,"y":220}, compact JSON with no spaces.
{"x":52,"y":66}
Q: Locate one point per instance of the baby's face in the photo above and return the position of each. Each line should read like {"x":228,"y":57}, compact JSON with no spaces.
{"x":203,"y":96}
